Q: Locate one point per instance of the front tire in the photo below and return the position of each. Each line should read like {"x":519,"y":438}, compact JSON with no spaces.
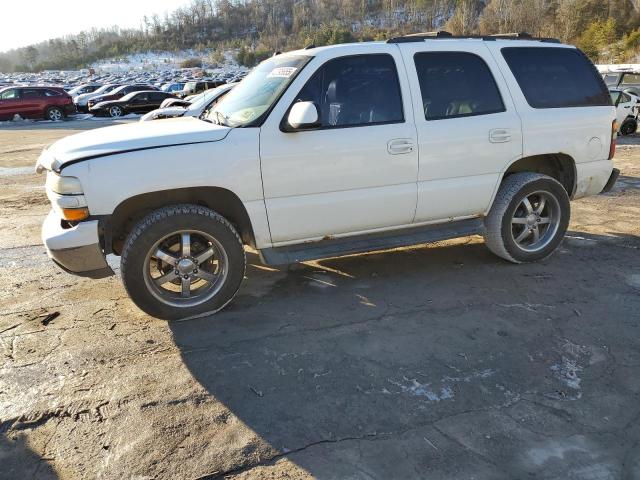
{"x":182,"y":261}
{"x":528,"y":218}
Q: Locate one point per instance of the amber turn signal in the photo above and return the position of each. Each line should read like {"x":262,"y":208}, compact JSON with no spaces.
{"x":75,"y":214}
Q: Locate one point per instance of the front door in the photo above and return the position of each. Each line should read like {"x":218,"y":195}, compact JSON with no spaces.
{"x":10,"y":103}
{"x":356,"y":172}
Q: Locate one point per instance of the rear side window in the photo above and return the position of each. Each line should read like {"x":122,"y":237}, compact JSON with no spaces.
{"x":31,"y":93}
{"x":556,"y":77}
{"x":456,"y":84}
{"x":355,"y":91}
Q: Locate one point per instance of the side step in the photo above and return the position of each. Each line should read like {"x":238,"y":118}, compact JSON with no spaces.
{"x":370,"y":242}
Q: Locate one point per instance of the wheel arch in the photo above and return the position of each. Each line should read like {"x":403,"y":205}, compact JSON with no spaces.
{"x":560,"y":166}
{"x":221,"y":200}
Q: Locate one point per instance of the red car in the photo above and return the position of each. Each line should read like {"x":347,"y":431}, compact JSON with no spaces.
{"x":51,"y":103}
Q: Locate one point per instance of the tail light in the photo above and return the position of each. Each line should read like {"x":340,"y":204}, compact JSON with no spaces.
{"x":614,"y":138}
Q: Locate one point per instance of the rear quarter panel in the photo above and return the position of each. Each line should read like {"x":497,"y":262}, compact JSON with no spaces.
{"x":583,"y":133}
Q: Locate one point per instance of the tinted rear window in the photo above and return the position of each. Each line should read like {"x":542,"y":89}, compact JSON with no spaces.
{"x":556,"y":77}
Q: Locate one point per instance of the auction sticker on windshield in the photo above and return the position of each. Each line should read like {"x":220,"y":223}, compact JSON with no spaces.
{"x":284,"y":72}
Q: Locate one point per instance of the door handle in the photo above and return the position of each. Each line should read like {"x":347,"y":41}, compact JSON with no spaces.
{"x":400,"y":145}
{"x":499,"y":135}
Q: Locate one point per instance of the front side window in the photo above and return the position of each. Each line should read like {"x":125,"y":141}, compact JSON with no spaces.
{"x":552,"y":77}
{"x":9,"y":94}
{"x":456,"y":84}
{"x":355,"y":91}
{"x":626,"y":98}
{"x":251,"y":100}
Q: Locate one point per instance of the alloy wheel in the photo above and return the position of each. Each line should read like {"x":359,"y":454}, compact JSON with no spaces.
{"x":185,"y":268}
{"x":535,"y":221}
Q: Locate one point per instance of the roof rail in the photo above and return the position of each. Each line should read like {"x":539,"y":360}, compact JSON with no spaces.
{"x":441,"y":34}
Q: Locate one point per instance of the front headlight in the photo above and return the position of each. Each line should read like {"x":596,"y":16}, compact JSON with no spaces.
{"x":63,"y":185}
{"x":66,"y":196}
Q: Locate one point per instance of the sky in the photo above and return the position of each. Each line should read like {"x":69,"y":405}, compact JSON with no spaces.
{"x":31,"y":21}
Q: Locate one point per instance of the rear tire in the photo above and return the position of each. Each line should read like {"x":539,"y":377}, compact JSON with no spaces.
{"x":528,"y":218}
{"x":54,"y":114}
{"x":182,"y":261}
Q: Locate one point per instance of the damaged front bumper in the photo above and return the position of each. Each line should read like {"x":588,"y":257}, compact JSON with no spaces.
{"x":75,"y":249}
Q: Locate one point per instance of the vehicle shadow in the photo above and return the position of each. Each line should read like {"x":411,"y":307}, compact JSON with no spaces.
{"x":320,"y":359}
{"x":19,"y":461}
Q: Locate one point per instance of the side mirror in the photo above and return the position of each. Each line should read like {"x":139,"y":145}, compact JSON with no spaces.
{"x":303,"y":116}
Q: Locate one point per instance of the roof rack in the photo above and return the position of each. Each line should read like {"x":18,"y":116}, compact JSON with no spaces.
{"x":441,"y":34}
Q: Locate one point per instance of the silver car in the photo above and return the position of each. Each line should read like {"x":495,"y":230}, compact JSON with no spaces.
{"x":200,"y":105}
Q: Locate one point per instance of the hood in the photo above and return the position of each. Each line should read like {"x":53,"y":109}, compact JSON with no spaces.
{"x":128,"y":137}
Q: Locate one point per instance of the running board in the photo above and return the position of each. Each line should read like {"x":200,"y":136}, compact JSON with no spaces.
{"x":337,"y":247}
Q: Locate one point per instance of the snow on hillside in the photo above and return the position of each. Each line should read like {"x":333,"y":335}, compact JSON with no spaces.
{"x":160,"y":61}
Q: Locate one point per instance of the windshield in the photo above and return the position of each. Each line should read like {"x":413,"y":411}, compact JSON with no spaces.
{"x":255,"y":95}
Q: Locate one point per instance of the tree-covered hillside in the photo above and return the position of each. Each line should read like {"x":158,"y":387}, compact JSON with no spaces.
{"x":608,"y":30}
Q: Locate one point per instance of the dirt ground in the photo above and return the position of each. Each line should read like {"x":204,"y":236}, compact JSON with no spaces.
{"x":439,"y":361}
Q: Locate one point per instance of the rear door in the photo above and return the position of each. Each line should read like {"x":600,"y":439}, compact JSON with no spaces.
{"x":33,"y":102}
{"x":468,"y":128}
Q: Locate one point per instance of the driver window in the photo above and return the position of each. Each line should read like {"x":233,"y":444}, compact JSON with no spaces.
{"x":355,"y":91}
{"x":9,"y":94}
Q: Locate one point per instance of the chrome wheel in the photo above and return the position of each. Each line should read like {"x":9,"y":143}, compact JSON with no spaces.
{"x":55,"y":114}
{"x":115,"y":111}
{"x":185,"y":268}
{"x":535,"y":221}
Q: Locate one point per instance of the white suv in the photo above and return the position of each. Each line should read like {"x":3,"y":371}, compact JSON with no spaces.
{"x":335,"y":150}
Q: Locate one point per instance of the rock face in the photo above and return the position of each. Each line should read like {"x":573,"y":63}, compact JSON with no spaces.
{"x":439,"y":361}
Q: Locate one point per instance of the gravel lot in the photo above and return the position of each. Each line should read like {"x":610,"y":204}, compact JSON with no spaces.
{"x":439,"y":361}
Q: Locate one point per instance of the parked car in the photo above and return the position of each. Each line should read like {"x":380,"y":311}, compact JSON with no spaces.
{"x":85,"y":88}
{"x":197,"y":108}
{"x":117,"y":93}
{"x":337,"y":150}
{"x":172,"y":87}
{"x":176,"y":102}
{"x":135,"y":102}
{"x":626,"y":111}
{"x":626,"y":81}
{"x":51,"y":103}
{"x":191,"y":88}
{"x":82,"y":100}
